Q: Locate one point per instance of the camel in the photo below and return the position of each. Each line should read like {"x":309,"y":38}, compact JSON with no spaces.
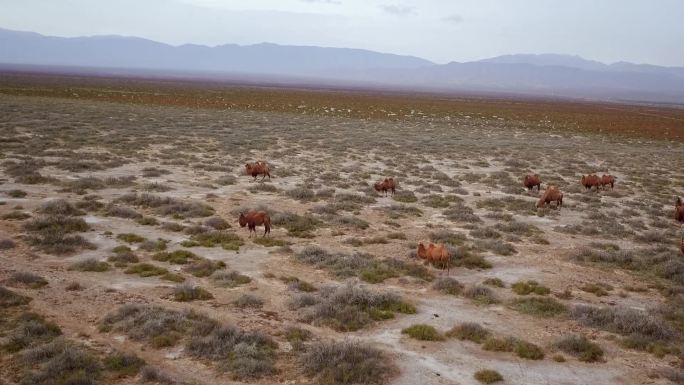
{"x":589,"y":181}
{"x":532,"y":180}
{"x":551,"y":194}
{"x":682,"y":245}
{"x":258,"y":168}
{"x":389,"y":184}
{"x":252,"y":219}
{"x":608,"y":180}
{"x":434,"y":254}
{"x":679,"y":210}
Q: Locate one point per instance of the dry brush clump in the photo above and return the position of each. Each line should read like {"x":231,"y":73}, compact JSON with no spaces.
{"x":168,"y":206}
{"x":26,"y":279}
{"x":346,"y":362}
{"x":470,"y":331}
{"x":580,"y":347}
{"x":364,"y":266}
{"x":624,"y":321}
{"x":54,"y":234}
{"x":244,"y":354}
{"x":349,"y":307}
{"x":8,"y":298}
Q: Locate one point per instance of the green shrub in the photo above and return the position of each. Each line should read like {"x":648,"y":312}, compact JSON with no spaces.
{"x":30,"y":280}
{"x":90,"y":264}
{"x":580,"y":347}
{"x":130,"y":238}
{"x":187,"y":292}
{"x":123,"y":364}
{"x":227,"y":240}
{"x":146,"y":270}
{"x":16,"y":193}
{"x":423,"y":332}
{"x":529,"y":287}
{"x":230,"y":279}
{"x":470,"y":331}
{"x":177,"y":257}
{"x":488,"y":376}
{"x":496,"y":282}
{"x":204,"y":267}
{"x":539,"y":306}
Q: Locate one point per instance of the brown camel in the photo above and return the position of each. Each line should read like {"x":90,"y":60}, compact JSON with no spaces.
{"x":258,"y":168}
{"x":532,"y":180}
{"x":551,"y":194}
{"x":252,"y":219}
{"x":389,"y":184}
{"x":434,"y":254}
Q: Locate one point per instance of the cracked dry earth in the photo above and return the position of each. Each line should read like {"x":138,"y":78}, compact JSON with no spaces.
{"x":459,"y":183}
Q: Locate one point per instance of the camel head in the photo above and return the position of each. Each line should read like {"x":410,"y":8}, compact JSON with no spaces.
{"x":678,"y":202}
{"x":242,"y":220}
{"x":377,"y":186}
{"x":421,"y":253}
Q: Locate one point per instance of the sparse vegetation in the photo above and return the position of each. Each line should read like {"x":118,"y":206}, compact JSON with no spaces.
{"x":187,"y":292}
{"x":423,"y":332}
{"x":339,"y":363}
{"x":580,"y":347}
{"x":27,"y":279}
{"x":539,"y":306}
{"x":470,"y":331}
{"x":530,"y":287}
{"x":488,"y":376}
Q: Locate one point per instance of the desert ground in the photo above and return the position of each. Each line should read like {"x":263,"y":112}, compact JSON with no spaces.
{"x":122,"y":260}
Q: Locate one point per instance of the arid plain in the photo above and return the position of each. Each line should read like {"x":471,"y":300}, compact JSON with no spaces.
{"x":122,"y":261}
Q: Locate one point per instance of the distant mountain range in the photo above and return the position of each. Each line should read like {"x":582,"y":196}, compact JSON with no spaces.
{"x":546,"y":74}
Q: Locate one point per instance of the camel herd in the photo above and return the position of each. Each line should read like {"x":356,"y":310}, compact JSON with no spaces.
{"x":438,"y":254}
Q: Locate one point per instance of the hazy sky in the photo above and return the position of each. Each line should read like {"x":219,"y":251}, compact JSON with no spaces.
{"x":642,"y":31}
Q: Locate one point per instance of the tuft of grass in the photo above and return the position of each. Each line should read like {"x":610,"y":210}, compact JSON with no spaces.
{"x":30,"y":330}
{"x":297,"y":336}
{"x":59,"y":207}
{"x":176,"y":257}
{"x":151,"y":374}
{"x":249,"y":300}
{"x":27,"y":279}
{"x":146,"y":270}
{"x":217,"y":223}
{"x":496,"y":282}
{"x":52,"y":234}
{"x":295,"y":283}
{"x":270,"y":242}
{"x":488,"y":376}
{"x":349,"y":307}
{"x":623,"y":320}
{"x":448,"y":285}
{"x":187,"y":292}
{"x":580,"y":347}
{"x":470,"y":331}
{"x":74,"y":286}
{"x":522,"y":349}
{"x":90,"y":264}
{"x":227,"y":240}
{"x":230,"y":279}
{"x":8,"y":298}
{"x":481,"y":295}
{"x":123,"y":364}
{"x":539,"y":306}
{"x":204,"y":267}
{"x":16,"y":193}
{"x":423,"y":332}
{"x":599,"y":290}
{"x":296,"y":225}
{"x":348,"y":362}
{"x":131,"y":238}
{"x":158,"y":245}
{"x":529,"y":287}
{"x":61,"y":362}
{"x":6,"y":244}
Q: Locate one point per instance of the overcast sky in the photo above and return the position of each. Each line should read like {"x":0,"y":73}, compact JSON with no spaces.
{"x":641,"y":31}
